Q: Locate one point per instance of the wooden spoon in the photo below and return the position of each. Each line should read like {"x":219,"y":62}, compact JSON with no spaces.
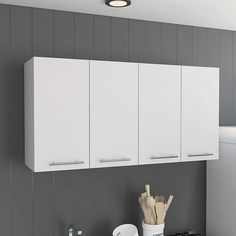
{"x":157,"y":198}
{"x":159,"y":207}
{"x":151,"y":204}
{"x":162,"y":199}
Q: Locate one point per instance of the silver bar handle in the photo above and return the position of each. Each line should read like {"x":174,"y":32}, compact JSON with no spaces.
{"x":163,"y":157}
{"x":114,"y":160}
{"x":66,"y":163}
{"x":200,"y":155}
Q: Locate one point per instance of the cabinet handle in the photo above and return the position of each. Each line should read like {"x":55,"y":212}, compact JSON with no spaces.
{"x":114,"y":160}
{"x":201,"y":155}
{"x":66,"y":163}
{"x":163,"y":157}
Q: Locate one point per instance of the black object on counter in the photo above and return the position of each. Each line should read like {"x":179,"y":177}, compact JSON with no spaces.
{"x":185,"y":234}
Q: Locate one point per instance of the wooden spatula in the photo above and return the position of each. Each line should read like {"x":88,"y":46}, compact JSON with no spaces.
{"x":159,"y":207}
{"x":151,"y":204}
{"x":166,"y":207}
{"x":169,"y":202}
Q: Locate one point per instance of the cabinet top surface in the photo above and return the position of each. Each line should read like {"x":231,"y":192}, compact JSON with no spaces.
{"x":36,"y":58}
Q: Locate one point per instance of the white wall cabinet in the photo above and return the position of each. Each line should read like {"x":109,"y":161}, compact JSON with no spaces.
{"x":200,"y":113}
{"x":159,"y":113}
{"x":92,"y":114}
{"x":56,"y":114}
{"x":113,"y":114}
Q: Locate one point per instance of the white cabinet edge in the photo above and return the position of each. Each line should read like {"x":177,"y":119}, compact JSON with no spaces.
{"x":29,"y":113}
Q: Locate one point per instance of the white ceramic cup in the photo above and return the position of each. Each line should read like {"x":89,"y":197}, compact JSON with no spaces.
{"x":153,"y":230}
{"x":125,"y":230}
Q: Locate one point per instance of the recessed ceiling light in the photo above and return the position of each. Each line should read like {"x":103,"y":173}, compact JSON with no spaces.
{"x":118,"y":3}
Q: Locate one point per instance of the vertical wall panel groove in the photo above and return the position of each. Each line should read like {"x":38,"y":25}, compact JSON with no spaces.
{"x":120,"y":39}
{"x":43,"y":28}
{"x":64,"y":34}
{"x":226,"y":81}
{"x":64,"y":201}
{"x":213,"y":47}
{"x":184,"y":55}
{"x":102,"y":41}
{"x":21,"y":51}
{"x":136,"y":41}
{"x":5,"y":124}
{"x":199,"y":46}
{"x":169,"y":44}
{"x":153,"y":42}
{"x":83,"y":36}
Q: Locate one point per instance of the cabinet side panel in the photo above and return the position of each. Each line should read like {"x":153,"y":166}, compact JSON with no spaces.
{"x":220,"y":220}
{"x":29,"y":113}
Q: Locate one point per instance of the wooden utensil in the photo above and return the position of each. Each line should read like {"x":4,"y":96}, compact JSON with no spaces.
{"x":150,"y":202}
{"x":162,"y":199}
{"x":143,"y":195}
{"x":159,"y":207}
{"x":147,"y":188}
{"x":140,"y":202}
{"x":145,"y":208}
{"x":157,"y":198}
{"x":169,"y":202}
{"x":154,"y":209}
{"x":166,"y":207}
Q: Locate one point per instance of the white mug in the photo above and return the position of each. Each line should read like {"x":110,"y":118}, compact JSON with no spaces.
{"x":125,"y":230}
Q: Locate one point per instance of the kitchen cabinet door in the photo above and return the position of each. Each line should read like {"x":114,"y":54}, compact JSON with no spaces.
{"x":56,"y":114}
{"x":159,"y":113}
{"x":113,"y":114}
{"x":200,"y":113}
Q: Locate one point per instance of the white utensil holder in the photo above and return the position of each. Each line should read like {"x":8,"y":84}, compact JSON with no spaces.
{"x":153,"y":230}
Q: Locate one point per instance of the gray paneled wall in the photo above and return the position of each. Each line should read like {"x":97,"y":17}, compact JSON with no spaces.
{"x":98,"y":200}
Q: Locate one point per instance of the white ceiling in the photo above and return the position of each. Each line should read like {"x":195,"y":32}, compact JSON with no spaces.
{"x":207,"y":13}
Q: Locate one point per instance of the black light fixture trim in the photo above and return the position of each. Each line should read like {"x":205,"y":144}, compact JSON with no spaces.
{"x":111,"y":2}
